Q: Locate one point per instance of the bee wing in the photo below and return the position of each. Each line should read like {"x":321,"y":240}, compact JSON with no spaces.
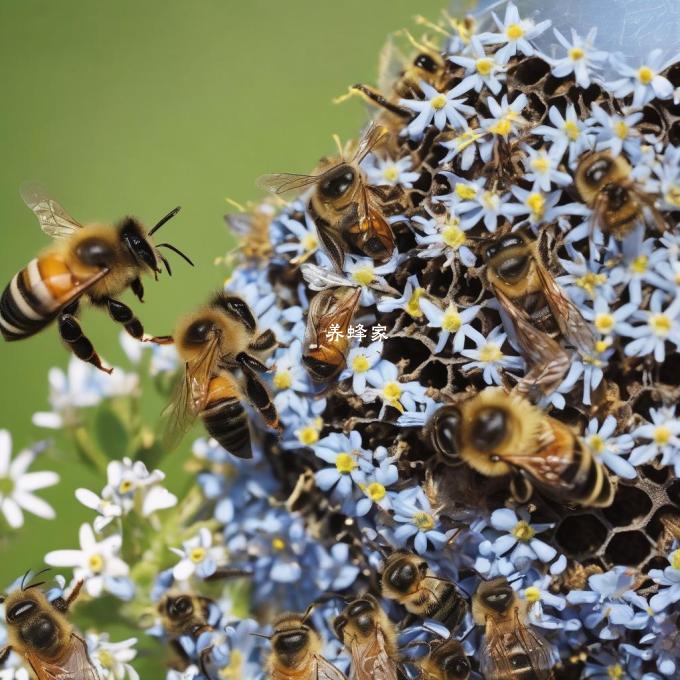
{"x":319,"y":278}
{"x":571,"y":322}
{"x":390,"y":66}
{"x":550,"y":362}
{"x":327,"y":671}
{"x":373,"y":134}
{"x":75,"y":665}
{"x":239,"y":223}
{"x":282,"y":183}
{"x":333,"y":243}
{"x":190,"y":394}
{"x":370,"y":660}
{"x":53,"y":219}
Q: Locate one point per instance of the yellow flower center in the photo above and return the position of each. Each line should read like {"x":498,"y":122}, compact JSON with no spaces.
{"x":523,"y":531}
{"x":438,"y":102}
{"x":596,"y":444}
{"x":453,"y":236}
{"x":308,"y":435}
{"x":391,"y":174}
{"x":466,"y":192}
{"x":463,"y":140}
{"x":576,"y":53}
{"x":590,"y":281}
{"x":413,"y":305}
{"x":674,"y":559}
{"x":536,"y":203}
{"x":490,"y":352}
{"x":278,"y":544}
{"x":602,"y":345}
{"x":364,"y":275}
{"x":604,"y":322}
{"x":514,"y":32}
{"x":197,"y":555}
{"x":639,"y":264}
{"x":645,"y":75}
{"x":615,"y":672}
{"x":484,"y":66}
{"x":233,"y":670}
{"x":345,"y":463}
{"x":672,"y":196}
{"x":125,"y":486}
{"x":105,"y":658}
{"x":310,"y":243}
{"x":283,"y":379}
{"x":376,"y":492}
{"x":424,"y":521}
{"x":451,"y":321}
{"x":96,"y":563}
{"x":532,"y":594}
{"x":360,"y":364}
{"x":661,"y":324}
{"x":502,"y":127}
{"x":621,"y":129}
{"x":572,"y":130}
{"x":541,"y":163}
{"x":392,"y":392}
{"x":662,"y":435}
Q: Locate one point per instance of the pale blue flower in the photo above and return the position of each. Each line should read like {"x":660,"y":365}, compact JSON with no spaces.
{"x":658,"y":326}
{"x":616,"y":133}
{"x":663,"y":439}
{"x":644,"y":82}
{"x":609,"y":449}
{"x":581,"y":59}
{"x":568,"y":132}
{"x":481,"y":69}
{"x":385,"y":385}
{"x":386,"y":172}
{"x":489,"y":357}
{"x":519,"y":544}
{"x":360,"y":360}
{"x":450,"y":321}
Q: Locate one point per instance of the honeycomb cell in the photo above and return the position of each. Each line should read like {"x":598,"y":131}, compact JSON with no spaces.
{"x":674,"y":134}
{"x":673,"y":492}
{"x":581,"y":536}
{"x":530,"y":71}
{"x":629,"y":548}
{"x":630,"y":504}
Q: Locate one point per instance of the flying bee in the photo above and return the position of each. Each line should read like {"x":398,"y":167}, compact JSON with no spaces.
{"x":408,"y":579}
{"x":446,"y":661}
{"x":39,"y":630}
{"x":510,"y":649}
{"x":251,"y":225}
{"x":326,"y":342}
{"x":213,"y":342}
{"x":296,"y":651}
{"x":94,"y":262}
{"x":617,"y":202}
{"x":350,"y":215}
{"x":370,"y":638}
{"x":539,"y":309}
{"x":499,"y":434}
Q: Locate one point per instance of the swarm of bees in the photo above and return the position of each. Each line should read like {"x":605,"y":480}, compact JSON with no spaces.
{"x":487,"y":444}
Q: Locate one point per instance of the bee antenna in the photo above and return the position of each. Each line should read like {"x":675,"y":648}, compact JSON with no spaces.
{"x":175,"y":250}
{"x":35,"y":585}
{"x":23,"y":580}
{"x":163,"y":220}
{"x":266,"y":637}
{"x":164,"y":260}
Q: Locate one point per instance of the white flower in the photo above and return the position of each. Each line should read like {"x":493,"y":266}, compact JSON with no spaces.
{"x":112,"y":658}
{"x":608,"y":448}
{"x":385,"y":385}
{"x":644,"y":82}
{"x":97,"y":563}
{"x":659,"y":327}
{"x":83,"y":386}
{"x":386,"y":172}
{"x":360,"y":360}
{"x":505,"y":116}
{"x":17,"y":485}
{"x":489,"y":357}
{"x":616,"y":133}
{"x":443,"y":234}
{"x":581,"y":59}
{"x":108,"y":510}
{"x":199,"y":556}
{"x":409,"y":301}
{"x":437,"y":106}
{"x":480,"y":69}
{"x":569,"y":132}
{"x":542,"y":168}
{"x":450,"y":321}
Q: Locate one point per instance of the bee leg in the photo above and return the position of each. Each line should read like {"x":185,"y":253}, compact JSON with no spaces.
{"x":238,"y":309}
{"x":379,"y":100}
{"x":72,"y":334}
{"x":245,"y":360}
{"x":260,"y":399}
{"x":203,"y":660}
{"x":264,"y":341}
{"x":4,"y":653}
{"x":138,"y":289}
{"x":122,"y":314}
{"x":63,"y":605}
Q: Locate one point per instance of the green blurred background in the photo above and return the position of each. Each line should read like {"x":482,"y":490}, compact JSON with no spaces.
{"x":135,"y":107}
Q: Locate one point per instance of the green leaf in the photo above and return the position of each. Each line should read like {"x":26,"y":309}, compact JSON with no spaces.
{"x":111,"y":434}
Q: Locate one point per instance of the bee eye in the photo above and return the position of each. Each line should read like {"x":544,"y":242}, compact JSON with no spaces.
{"x":323,"y":369}
{"x":21,"y":610}
{"x":597,"y":171}
{"x":198,"y":332}
{"x":338,"y":183}
{"x":425,"y":62}
{"x":498,"y":600}
{"x":456,"y":666}
{"x":403,"y":576}
{"x":445,"y":431}
{"x":360,"y":607}
{"x":291,"y":642}
{"x":489,"y":429}
{"x":180,"y":606}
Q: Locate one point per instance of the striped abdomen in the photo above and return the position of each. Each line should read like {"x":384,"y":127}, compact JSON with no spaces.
{"x":35,"y":295}
{"x":225,"y":418}
{"x":448,"y":606}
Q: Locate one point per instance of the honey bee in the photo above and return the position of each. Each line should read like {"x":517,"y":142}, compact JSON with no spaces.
{"x":212,"y":343}
{"x":296,"y":652}
{"x":408,"y":579}
{"x":498,"y":434}
{"x":39,"y":630}
{"x":326,"y":342}
{"x":510,"y":649}
{"x":370,"y":637}
{"x":617,"y":202}
{"x":446,"y":661}
{"x":538,"y":308}
{"x":350,"y":215}
{"x":95,"y":261}
{"x":251,"y":225}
